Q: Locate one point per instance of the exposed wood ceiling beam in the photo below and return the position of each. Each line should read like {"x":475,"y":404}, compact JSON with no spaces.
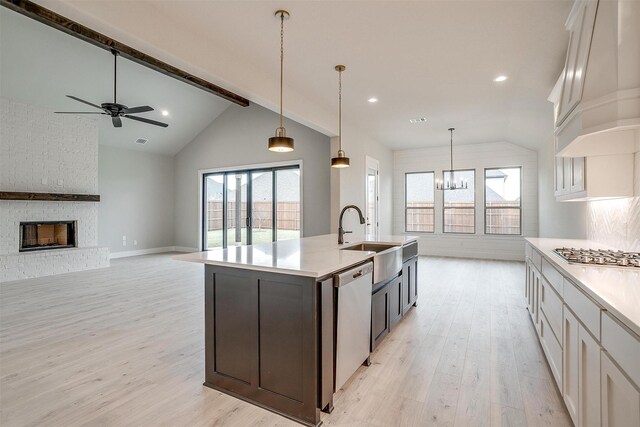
{"x":59,"y":22}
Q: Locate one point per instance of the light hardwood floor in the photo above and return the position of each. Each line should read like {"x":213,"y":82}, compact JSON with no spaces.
{"x":123,"y":346}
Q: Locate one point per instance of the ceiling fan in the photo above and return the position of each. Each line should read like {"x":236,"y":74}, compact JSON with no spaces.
{"x":113,"y":109}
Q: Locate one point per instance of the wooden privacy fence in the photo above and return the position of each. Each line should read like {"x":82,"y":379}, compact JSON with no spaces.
{"x":288,"y":215}
{"x":460,"y":219}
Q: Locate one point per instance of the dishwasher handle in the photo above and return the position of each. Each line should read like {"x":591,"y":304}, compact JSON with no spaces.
{"x":349,"y":276}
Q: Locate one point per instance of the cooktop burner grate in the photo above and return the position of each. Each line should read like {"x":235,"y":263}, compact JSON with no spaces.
{"x":602,"y":257}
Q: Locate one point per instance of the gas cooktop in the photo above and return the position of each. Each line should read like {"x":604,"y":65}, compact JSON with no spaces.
{"x":599,"y":257}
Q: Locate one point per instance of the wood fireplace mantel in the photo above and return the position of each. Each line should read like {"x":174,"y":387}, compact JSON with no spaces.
{"x":49,"y":197}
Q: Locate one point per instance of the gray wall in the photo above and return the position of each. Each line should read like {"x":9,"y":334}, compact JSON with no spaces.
{"x":137,"y":193}
{"x":557,"y":219}
{"x":239,"y":137}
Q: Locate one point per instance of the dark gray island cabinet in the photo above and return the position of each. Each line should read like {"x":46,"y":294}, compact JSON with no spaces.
{"x":271,"y":315}
{"x":266,"y":340}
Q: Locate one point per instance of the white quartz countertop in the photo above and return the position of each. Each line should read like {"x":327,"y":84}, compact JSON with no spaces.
{"x":615,"y":289}
{"x":315,"y":256}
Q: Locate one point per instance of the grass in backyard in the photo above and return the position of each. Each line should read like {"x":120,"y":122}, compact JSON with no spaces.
{"x":214,"y":237}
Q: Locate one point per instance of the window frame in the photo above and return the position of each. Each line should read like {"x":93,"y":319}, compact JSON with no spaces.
{"x":475,"y":201}
{"x":420,"y":207}
{"x":250,"y":169}
{"x":504,"y":207}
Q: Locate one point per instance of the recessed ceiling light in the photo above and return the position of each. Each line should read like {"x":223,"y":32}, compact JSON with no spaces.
{"x":418,"y":120}
{"x":165,"y":113}
{"x":373,"y":100}
{"x":500,"y":79}
{"x":141,"y":140}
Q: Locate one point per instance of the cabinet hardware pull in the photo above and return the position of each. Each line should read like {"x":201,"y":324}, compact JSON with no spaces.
{"x":358,"y":274}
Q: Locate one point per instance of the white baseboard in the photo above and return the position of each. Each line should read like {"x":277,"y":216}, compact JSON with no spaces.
{"x":148,"y":251}
{"x":185,"y":249}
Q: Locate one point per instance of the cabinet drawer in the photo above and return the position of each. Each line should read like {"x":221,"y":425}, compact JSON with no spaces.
{"x":553,"y":276}
{"x":623,"y":346}
{"x":551,"y":304}
{"x":552,"y":349}
{"x":584,"y":308}
{"x":536,"y":259}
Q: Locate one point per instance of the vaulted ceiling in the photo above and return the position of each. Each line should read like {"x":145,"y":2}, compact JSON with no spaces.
{"x":40,"y":65}
{"x":433,"y":59}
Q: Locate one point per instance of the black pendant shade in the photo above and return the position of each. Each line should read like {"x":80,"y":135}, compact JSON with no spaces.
{"x":281,"y":143}
{"x":341,"y":161}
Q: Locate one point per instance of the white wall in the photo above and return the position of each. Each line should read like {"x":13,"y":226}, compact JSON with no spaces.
{"x":478,"y":157}
{"x":137,"y":193}
{"x":239,"y":137}
{"x":348,"y":185}
{"x":557,"y":219}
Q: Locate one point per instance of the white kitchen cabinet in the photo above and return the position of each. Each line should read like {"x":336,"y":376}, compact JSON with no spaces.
{"x":580,"y":25}
{"x":570,"y":380}
{"x":581,"y":372}
{"x":592,"y":178}
{"x":588,"y":379}
{"x":594,"y":358}
{"x":576,"y":183}
{"x":620,"y":397}
{"x":551,"y":347}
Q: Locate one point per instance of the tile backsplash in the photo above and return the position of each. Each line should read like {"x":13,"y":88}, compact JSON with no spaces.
{"x":615,"y":223}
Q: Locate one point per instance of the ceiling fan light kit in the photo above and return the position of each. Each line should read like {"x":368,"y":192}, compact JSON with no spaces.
{"x":341,"y":160}
{"x":451,"y":183}
{"x":113,"y":109}
{"x":281,"y":143}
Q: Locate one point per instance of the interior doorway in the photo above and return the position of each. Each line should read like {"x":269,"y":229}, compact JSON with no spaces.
{"x":372,"y":194}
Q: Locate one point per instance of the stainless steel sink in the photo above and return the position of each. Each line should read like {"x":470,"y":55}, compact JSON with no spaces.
{"x":387,"y":262}
{"x":371,"y":247}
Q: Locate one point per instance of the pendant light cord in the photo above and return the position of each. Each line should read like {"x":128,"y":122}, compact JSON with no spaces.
{"x":340,"y":109}
{"x":451,"y":148}
{"x":281,"y":61}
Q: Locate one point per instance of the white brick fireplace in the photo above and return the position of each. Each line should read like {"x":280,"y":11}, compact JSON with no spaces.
{"x":48,"y":153}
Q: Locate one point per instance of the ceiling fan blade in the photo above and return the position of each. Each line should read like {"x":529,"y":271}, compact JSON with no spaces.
{"x":77,"y":112}
{"x":117,"y":123}
{"x":143,"y":120}
{"x":84,"y":102}
{"x":134,"y":110}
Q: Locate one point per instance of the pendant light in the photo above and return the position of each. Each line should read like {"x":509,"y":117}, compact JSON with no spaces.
{"x":341,"y":161}
{"x":281,"y":142}
{"x":451,"y":183}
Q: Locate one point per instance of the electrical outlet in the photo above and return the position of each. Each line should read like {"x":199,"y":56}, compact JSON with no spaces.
{"x":124,"y":243}
{"x":60,"y":182}
{"x":135,"y":243}
{"x":44,"y":181}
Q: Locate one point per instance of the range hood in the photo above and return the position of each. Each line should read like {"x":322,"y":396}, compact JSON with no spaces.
{"x":602,"y":78}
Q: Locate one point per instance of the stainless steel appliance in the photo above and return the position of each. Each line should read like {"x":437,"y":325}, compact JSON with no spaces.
{"x":599,"y":257}
{"x":387,"y":262}
{"x":353,"y":320}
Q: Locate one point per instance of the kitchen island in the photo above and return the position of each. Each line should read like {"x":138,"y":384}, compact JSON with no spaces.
{"x":270,"y":320}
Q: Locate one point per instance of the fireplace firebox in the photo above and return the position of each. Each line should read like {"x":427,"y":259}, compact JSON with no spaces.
{"x":43,"y":235}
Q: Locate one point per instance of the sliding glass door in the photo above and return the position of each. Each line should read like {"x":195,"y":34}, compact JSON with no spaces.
{"x":251,"y":206}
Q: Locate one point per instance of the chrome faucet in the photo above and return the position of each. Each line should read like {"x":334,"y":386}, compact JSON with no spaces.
{"x":341,"y":231}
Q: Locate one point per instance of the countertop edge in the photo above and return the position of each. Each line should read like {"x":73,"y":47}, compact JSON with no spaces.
{"x":608,"y":306}
{"x":364,"y":256}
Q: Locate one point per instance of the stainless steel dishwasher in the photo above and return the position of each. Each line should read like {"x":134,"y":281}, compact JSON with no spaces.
{"x":353,"y":323}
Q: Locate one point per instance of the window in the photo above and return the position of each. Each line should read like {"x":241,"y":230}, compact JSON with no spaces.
{"x":460,"y":205}
{"x":503,"y":201}
{"x":419,"y":215}
{"x":251,"y":206}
